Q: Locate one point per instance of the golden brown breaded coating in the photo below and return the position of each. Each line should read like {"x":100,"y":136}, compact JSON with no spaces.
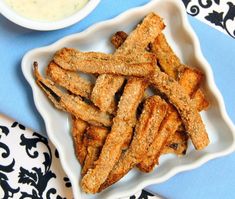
{"x":99,"y":97}
{"x":200,"y":100}
{"x":69,"y":103}
{"x":144,"y":34}
{"x":95,"y":136}
{"x":78,"y":130}
{"x":127,"y":141}
{"x":147,"y":127}
{"x":122,"y":126}
{"x":94,"y":140}
{"x":103,"y":92}
{"x":167,"y":60}
{"x":184,"y":105}
{"x":118,"y":38}
{"x":69,"y":80}
{"x":187,"y":76}
{"x":191,"y":79}
{"x":92,"y":155}
{"x":100,"y":63}
{"x":171,"y":65}
{"x":48,"y":86}
{"x":177,"y":144}
{"x":168,"y":126}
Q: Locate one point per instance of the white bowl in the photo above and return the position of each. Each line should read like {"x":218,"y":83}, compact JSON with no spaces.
{"x":10,"y":14}
{"x":96,"y":38}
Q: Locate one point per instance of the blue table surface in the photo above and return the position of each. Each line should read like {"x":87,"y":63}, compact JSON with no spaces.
{"x":215,"y":179}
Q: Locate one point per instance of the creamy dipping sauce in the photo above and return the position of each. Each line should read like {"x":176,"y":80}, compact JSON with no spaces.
{"x":46,"y":10}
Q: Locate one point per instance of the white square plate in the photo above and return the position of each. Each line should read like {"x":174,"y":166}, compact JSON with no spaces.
{"x":96,"y":38}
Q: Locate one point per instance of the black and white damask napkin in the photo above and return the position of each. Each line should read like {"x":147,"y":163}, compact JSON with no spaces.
{"x":220,"y":14}
{"x":30,"y":166}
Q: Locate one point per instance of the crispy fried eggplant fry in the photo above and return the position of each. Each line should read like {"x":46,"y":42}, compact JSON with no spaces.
{"x":92,"y":155}
{"x":99,"y":96}
{"x":100,"y":63}
{"x":122,"y":127}
{"x":190,"y":79}
{"x":95,"y":136}
{"x":94,"y":140}
{"x":127,"y":141}
{"x":69,"y":80}
{"x":70,"y":103}
{"x":168,"y":126}
{"x":153,"y":113}
{"x":118,"y":38}
{"x":167,"y":60}
{"x":177,"y":144}
{"x":185,"y":106}
{"x":106,"y":86}
{"x":144,"y":34}
{"x":171,"y":65}
{"x":200,"y":100}
{"x":78,"y":130}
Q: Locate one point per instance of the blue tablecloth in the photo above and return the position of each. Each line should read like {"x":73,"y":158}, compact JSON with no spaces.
{"x":216,"y":179}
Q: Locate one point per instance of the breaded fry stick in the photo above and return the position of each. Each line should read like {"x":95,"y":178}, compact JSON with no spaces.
{"x":100,"y":96}
{"x":185,"y":106}
{"x":171,"y":65}
{"x":92,"y":155}
{"x":103,"y":92}
{"x":69,"y":80}
{"x":144,"y":33}
{"x":118,"y":38}
{"x":153,"y":113}
{"x":200,"y":100}
{"x":95,"y":136}
{"x":169,"y":126}
{"x":78,"y":131}
{"x":122,"y":127}
{"x":178,"y":144}
{"x":191,"y":79}
{"x":71,"y":104}
{"x":199,"y":137}
{"x":100,"y":63}
{"x":94,"y":140}
{"x":167,"y":60}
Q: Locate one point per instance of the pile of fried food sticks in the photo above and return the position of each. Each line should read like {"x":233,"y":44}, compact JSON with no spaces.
{"x":115,"y":125}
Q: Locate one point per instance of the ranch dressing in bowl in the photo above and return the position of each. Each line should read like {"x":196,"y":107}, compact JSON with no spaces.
{"x":46,"y":10}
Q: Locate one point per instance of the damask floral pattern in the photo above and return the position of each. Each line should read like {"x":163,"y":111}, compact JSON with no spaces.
{"x":217,"y":13}
{"x":31,"y":168}
{"x":28,"y":168}
{"x":7,"y":189}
